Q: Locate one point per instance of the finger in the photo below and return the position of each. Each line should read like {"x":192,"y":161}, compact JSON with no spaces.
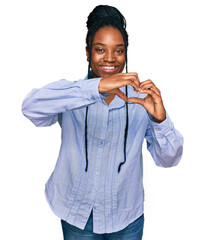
{"x":136,"y":79}
{"x":134,"y":84}
{"x":154,"y":95}
{"x":110,"y":84}
{"x":133,"y":77}
{"x":150,"y":85}
{"x":125,"y":82}
{"x":145,"y":82}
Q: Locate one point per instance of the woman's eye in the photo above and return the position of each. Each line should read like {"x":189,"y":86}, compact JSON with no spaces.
{"x":119,"y":51}
{"x":100,"y":50}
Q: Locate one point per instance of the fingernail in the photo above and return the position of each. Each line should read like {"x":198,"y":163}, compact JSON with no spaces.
{"x":139,"y":90}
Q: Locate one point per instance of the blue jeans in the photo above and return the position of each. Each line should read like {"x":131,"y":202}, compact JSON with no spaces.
{"x":133,"y":231}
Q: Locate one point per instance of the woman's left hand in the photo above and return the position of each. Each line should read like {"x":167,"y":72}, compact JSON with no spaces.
{"x":152,"y":102}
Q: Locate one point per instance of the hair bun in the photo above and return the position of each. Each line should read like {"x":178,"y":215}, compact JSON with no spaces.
{"x":104,"y":12}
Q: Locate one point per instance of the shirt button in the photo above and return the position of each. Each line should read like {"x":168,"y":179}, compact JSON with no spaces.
{"x":101,"y":142}
{"x":157,"y":129}
{"x":93,"y":98}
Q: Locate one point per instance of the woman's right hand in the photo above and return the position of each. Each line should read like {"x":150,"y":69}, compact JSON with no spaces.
{"x":112,"y":84}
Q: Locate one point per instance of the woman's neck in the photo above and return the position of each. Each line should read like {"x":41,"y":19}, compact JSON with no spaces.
{"x":109,"y":99}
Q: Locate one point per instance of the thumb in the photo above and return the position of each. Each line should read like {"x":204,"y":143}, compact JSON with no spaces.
{"x":120,"y":94}
{"x":136,"y":100}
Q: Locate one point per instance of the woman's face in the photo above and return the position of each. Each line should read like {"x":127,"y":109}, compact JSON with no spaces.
{"x":108,"y":52}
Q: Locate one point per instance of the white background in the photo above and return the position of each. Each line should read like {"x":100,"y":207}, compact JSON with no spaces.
{"x":43,"y":41}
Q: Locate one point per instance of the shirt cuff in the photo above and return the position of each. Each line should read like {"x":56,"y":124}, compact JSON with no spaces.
{"x":161,"y":129}
{"x":91,"y":89}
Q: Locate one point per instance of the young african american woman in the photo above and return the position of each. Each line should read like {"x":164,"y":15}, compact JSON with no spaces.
{"x":96,"y":187}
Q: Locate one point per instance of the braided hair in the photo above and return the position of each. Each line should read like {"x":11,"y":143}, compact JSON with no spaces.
{"x":101,"y":16}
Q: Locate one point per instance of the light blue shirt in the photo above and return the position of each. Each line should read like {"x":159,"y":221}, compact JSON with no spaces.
{"x":115,"y":198}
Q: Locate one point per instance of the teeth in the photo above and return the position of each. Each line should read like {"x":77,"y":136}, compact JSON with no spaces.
{"x":108,"y":68}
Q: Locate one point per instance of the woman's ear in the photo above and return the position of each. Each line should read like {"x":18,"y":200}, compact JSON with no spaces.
{"x":87,"y":53}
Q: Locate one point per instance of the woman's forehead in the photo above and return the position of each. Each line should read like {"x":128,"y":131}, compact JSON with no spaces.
{"x":108,"y":35}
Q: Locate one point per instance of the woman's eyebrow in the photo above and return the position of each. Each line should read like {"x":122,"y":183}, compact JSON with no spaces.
{"x":98,"y":43}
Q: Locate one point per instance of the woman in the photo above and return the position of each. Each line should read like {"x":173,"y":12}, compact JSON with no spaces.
{"x":96,"y":187}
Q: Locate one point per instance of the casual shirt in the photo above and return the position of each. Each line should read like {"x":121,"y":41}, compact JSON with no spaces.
{"x":115,"y":198}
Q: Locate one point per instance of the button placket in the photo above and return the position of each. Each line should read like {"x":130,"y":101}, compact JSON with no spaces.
{"x":101,"y":142}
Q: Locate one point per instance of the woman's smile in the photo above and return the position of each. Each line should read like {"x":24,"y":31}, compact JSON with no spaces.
{"x":109,"y":68}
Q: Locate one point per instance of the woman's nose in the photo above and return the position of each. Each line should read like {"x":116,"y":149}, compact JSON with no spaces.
{"x":109,"y":57}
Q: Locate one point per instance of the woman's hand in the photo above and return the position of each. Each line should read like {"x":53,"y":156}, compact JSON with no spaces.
{"x":152,"y":102}
{"x":112,"y":84}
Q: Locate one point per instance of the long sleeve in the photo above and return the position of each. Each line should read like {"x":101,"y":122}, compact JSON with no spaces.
{"x":43,"y":105}
{"x":164,"y":143}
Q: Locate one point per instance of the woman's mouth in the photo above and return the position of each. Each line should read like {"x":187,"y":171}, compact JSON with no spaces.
{"x":108,"y":68}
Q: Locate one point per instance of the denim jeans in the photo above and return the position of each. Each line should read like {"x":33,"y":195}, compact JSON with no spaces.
{"x":133,"y":231}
